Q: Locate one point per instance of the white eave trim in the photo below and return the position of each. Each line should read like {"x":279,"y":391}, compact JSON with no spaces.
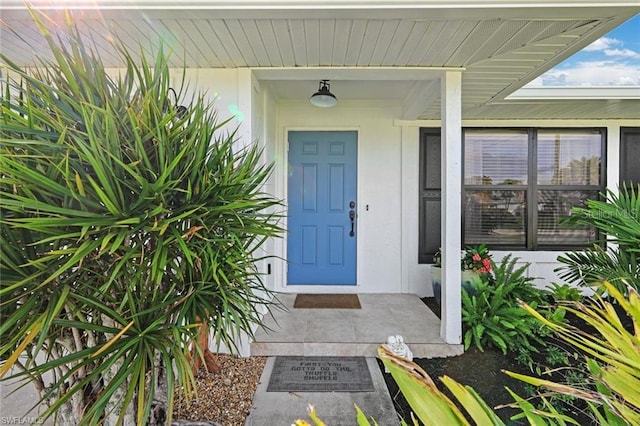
{"x":331,"y":9}
{"x":575,"y":5}
{"x":568,"y":93}
{"x":311,"y":4}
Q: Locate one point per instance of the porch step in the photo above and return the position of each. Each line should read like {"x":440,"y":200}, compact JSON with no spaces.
{"x":353,"y":332}
{"x":420,"y":350}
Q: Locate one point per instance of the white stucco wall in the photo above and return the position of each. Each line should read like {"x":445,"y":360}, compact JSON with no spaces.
{"x":388,"y":165}
{"x":379,"y":200}
{"x":219,"y":86}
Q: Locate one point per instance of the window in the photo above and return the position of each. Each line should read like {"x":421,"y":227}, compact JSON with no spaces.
{"x":430,"y":195}
{"x":630,"y":156}
{"x":519,"y":184}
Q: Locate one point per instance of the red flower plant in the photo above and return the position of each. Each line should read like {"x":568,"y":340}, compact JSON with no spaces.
{"x":477,"y":259}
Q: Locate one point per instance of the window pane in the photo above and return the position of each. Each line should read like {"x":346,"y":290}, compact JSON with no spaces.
{"x":495,"y":157}
{"x":495,"y":217}
{"x":569,"y":157}
{"x":552,"y":206}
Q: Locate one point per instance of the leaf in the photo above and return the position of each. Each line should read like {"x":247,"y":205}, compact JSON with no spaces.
{"x":361,"y":419}
{"x":474,"y":405}
{"x":115,"y":338}
{"x":79,"y":184}
{"x":430,"y":405}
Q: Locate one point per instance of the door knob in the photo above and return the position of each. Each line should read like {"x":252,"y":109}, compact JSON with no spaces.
{"x":352,"y":217}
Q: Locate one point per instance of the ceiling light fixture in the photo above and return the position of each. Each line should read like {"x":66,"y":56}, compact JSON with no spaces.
{"x":323,"y":98}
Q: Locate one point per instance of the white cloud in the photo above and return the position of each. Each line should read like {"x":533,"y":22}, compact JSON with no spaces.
{"x":593,"y":73}
{"x":602,"y":44}
{"x":622,"y":53}
{"x":536,"y":82}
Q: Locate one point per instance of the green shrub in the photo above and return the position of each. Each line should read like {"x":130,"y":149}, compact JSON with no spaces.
{"x":491,"y":316}
{"x":564,"y":293}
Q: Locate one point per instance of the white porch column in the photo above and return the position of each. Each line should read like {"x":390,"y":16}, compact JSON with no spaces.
{"x":451,"y":116}
{"x":245,"y":107}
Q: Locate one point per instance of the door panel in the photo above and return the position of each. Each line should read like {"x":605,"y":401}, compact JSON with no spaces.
{"x":321,"y":185}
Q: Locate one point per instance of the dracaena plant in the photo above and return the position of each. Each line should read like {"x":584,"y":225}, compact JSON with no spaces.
{"x":126,"y":225}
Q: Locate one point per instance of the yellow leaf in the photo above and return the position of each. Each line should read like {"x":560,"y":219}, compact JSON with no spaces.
{"x":30,"y":335}
{"x":79,"y":184}
{"x":314,"y":417}
{"x":113,"y":340}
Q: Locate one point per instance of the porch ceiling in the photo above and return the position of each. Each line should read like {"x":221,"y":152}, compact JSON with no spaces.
{"x":499,"y":48}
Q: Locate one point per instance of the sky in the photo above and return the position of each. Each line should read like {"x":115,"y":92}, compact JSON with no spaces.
{"x":613,"y":60}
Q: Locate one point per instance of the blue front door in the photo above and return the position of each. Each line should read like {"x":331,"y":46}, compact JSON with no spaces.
{"x":322,"y":222}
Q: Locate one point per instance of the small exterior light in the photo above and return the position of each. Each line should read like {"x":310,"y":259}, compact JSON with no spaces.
{"x":323,"y":98}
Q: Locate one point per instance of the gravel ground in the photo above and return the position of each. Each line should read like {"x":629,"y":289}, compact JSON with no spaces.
{"x":224,"y":397}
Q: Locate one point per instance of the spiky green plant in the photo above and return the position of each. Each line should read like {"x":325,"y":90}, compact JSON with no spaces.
{"x":125,"y":225}
{"x":613,"y":356}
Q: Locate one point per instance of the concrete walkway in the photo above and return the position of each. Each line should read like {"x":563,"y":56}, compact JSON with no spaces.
{"x":17,"y":401}
{"x":334,"y":408}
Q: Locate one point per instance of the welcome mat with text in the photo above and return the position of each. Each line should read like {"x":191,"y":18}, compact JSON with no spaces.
{"x":320,"y":374}
{"x":327,"y":301}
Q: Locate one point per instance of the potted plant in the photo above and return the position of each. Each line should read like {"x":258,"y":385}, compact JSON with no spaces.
{"x":475,"y":264}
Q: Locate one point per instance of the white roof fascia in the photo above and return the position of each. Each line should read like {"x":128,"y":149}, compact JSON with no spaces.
{"x":566,"y":93}
{"x":452,"y":10}
{"x":308,"y":4}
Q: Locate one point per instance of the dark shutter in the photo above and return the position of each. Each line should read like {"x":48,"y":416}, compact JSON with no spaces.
{"x":430,"y":194}
{"x":630,"y":156}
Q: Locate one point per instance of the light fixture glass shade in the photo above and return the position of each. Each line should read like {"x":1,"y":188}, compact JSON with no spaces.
{"x":323,"y":98}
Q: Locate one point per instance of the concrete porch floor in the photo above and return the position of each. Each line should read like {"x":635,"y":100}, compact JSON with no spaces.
{"x":353,"y":332}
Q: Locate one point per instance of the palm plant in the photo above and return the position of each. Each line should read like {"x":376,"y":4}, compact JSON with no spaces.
{"x":617,"y":217}
{"x":126,"y":226}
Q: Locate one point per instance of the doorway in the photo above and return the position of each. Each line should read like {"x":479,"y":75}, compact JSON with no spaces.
{"x":322,"y":200}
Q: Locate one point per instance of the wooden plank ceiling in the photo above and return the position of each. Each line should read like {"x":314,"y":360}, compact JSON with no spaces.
{"x":499,"y":55}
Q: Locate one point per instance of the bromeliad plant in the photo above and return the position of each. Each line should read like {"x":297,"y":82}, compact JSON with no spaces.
{"x":126,"y":227}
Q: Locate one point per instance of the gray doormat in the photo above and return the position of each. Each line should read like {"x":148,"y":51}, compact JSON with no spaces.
{"x":320,"y":374}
